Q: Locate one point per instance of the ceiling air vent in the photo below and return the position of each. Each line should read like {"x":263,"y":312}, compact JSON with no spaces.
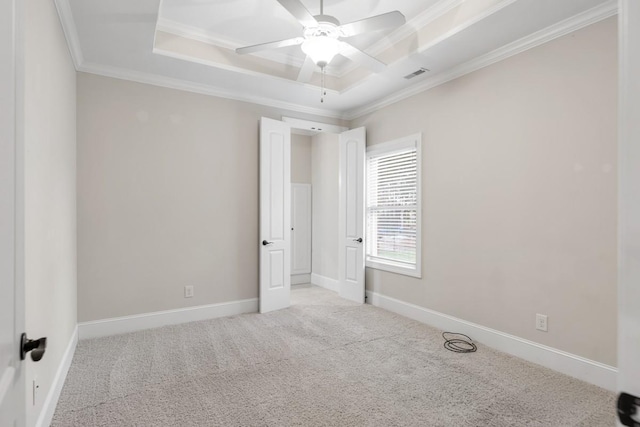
{"x":416,"y":73}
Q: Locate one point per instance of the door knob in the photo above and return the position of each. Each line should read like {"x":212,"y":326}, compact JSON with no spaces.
{"x":36,"y":347}
{"x":627,"y":408}
{"x":265,"y":243}
{"x":359,"y":240}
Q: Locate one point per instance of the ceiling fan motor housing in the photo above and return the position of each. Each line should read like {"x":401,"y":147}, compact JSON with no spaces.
{"x":327,"y":26}
{"x":321,"y":41}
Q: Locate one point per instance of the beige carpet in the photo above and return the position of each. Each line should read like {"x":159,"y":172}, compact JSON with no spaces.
{"x":322,"y":362}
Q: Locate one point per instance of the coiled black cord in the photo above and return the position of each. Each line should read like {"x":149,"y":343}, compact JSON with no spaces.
{"x":458,"y":345}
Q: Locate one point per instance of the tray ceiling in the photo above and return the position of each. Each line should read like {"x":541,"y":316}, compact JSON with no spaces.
{"x":189,"y":44}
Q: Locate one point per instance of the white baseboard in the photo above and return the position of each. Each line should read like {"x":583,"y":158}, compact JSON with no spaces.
{"x":298,"y":279}
{"x":325,"y":282}
{"x":125,"y":324}
{"x":51,"y":401}
{"x":590,"y":371}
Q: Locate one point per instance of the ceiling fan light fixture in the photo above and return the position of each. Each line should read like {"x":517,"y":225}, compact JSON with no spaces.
{"x":321,"y":49}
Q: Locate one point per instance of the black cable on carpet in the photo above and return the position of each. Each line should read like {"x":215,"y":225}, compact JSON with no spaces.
{"x":458,"y":345}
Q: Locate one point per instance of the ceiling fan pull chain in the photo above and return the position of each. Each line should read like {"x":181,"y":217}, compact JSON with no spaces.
{"x":323,"y":92}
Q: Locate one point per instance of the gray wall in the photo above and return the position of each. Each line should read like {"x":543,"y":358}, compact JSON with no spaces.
{"x":50,"y":193}
{"x":519,"y":193}
{"x":325,"y":185}
{"x":167,"y":197}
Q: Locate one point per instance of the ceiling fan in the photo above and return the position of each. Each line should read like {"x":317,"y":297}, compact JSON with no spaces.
{"x":322,"y":35}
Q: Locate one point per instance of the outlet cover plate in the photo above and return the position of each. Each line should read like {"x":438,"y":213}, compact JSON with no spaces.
{"x":188,"y":291}
{"x":541,"y":322}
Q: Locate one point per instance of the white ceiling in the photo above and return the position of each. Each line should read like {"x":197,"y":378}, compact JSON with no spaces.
{"x":449,"y":37}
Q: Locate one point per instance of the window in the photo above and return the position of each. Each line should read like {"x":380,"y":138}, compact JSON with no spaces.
{"x":393,"y":206}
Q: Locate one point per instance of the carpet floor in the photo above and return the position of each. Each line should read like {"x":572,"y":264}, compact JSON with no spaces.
{"x":322,"y":362}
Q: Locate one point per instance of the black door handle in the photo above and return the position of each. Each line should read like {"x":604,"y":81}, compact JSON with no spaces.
{"x":36,"y":347}
{"x":359,"y":240}
{"x":628,"y":407}
{"x":265,"y":243}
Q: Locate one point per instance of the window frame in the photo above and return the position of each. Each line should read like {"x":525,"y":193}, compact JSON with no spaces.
{"x":387,"y":148}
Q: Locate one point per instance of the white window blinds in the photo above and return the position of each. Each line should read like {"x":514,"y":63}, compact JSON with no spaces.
{"x":393,"y":204}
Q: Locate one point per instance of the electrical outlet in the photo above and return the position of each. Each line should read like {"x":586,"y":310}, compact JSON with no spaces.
{"x":36,"y":391}
{"x":188,"y":291}
{"x":541,"y":322}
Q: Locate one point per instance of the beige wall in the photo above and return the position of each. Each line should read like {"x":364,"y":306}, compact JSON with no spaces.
{"x":324,"y":195}
{"x":50,"y":193}
{"x":300,"y":159}
{"x":519,"y":193}
{"x":167,"y":197}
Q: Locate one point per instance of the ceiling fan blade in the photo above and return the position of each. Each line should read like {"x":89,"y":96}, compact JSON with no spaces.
{"x":299,"y":12}
{"x":306,"y":71}
{"x":270,"y":45}
{"x":378,"y":22}
{"x":362,"y":58}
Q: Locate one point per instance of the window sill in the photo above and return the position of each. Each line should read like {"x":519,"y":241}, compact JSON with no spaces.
{"x":394,"y":268}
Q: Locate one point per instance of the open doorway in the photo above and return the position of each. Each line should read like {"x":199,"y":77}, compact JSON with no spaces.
{"x":314,"y":208}
{"x":311,"y":210}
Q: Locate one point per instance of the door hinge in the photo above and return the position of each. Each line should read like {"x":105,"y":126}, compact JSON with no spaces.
{"x":628,"y":407}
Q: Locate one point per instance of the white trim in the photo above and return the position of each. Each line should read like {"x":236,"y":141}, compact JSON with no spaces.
{"x":51,"y":401}
{"x":70,"y":31}
{"x":299,"y":279}
{"x":325,"y":282}
{"x":596,"y":14}
{"x":138,"y":322}
{"x":312,"y":126}
{"x":562,"y":28}
{"x":442,"y":37}
{"x":570,"y":364}
{"x":415,"y":24}
{"x":400,"y":144}
{"x":172,"y":83}
{"x":392,"y":267}
{"x":410,"y":27}
{"x":384,"y":149}
{"x":628,"y":203}
{"x":208,"y":37}
{"x":233,"y":68}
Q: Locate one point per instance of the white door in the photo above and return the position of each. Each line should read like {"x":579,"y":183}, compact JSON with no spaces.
{"x":275,"y":215}
{"x":629,"y":202}
{"x":351,"y":215}
{"x":301,"y":229}
{"x":12,"y":405}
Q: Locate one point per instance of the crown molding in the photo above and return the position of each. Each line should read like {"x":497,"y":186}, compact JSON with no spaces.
{"x":172,"y":83}
{"x":198,"y":34}
{"x":483,"y":15}
{"x":246,"y":71}
{"x":569,"y":25}
{"x":70,"y":31}
{"x":410,"y":27}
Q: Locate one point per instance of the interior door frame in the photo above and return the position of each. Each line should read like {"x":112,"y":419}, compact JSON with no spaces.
{"x":629,"y":197}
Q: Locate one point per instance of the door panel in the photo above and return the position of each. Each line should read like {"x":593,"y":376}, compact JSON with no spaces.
{"x":11,"y":311}
{"x":275,"y":215}
{"x":276,"y":269}
{"x":301,"y":228}
{"x":351,"y":215}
